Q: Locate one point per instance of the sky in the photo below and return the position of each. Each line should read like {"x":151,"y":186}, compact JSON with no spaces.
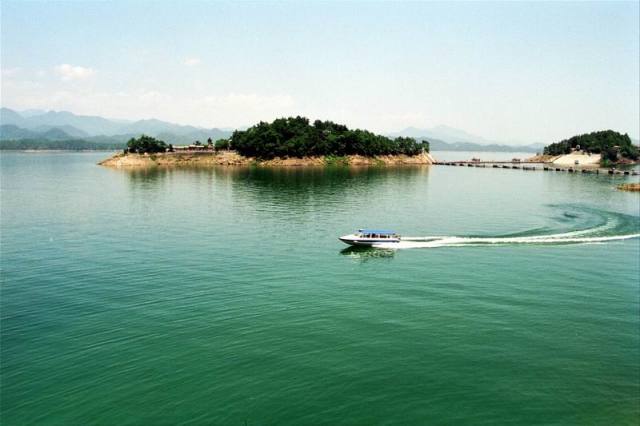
{"x":514,"y":72}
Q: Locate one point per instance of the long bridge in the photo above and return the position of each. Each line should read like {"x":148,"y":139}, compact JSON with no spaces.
{"x":531,"y":165}
{"x":446,"y":163}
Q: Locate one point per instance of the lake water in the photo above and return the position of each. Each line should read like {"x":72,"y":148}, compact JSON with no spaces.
{"x":222,"y":296}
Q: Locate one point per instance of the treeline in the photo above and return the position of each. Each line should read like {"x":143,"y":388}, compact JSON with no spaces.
{"x":610,"y":144}
{"x":147,"y":144}
{"x":296,"y":137}
{"x":68,"y":145}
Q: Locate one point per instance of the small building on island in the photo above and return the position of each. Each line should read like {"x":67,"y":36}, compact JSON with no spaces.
{"x":196,"y":146}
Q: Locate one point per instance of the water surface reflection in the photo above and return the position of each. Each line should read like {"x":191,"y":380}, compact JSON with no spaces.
{"x":291,"y":190}
{"x":365,"y":254}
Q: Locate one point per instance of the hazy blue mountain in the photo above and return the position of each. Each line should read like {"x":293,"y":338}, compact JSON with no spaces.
{"x":443,"y":133}
{"x":56,"y":134}
{"x":32,"y":112}
{"x":439,"y":145}
{"x":445,"y":138}
{"x":154,"y":127}
{"x":173,"y":133}
{"x":110,"y":139}
{"x":88,"y":127}
{"x":533,"y":147}
{"x":108,"y":130}
{"x":91,"y":125}
{"x":9,"y":116}
{"x":69,"y":130}
{"x":11,"y":131}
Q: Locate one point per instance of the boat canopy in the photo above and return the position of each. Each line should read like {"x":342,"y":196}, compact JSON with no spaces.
{"x":376,"y":231}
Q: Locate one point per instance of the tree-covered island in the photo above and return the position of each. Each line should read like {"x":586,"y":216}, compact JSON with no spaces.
{"x":613,"y":146}
{"x":296,"y":137}
{"x":285,"y":141}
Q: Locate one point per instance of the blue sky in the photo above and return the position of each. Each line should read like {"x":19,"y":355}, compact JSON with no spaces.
{"x":513,"y":72}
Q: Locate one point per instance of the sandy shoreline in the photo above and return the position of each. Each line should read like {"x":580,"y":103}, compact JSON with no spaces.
{"x":582,"y":160}
{"x":568,"y":160}
{"x":231,"y":158}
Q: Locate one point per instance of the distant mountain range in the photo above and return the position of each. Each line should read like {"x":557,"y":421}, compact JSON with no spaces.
{"x":443,"y":133}
{"x":64,"y":125}
{"x":445,"y":138}
{"x":438,"y":145}
{"x":50,"y":126}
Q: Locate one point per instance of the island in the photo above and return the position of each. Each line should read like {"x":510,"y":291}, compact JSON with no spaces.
{"x":605,"y":148}
{"x":292,"y":141}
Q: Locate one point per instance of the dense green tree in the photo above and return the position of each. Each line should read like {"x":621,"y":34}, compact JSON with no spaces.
{"x":146,"y":144}
{"x":222,"y":144}
{"x":296,"y":137}
{"x":609,"y":155}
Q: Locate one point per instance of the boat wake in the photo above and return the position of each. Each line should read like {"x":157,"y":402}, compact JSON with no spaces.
{"x":586,"y":226}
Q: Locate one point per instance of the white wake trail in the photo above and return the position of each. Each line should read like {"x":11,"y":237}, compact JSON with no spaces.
{"x":566,"y":238}
{"x":597,"y":230}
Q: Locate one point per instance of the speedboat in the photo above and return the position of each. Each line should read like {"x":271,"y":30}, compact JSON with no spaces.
{"x":369,"y":237}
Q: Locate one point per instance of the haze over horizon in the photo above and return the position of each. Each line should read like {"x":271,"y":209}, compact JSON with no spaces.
{"x":519,"y":73}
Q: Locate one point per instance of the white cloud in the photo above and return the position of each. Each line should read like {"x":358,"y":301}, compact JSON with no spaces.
{"x":69,"y":72}
{"x":192,"y":62}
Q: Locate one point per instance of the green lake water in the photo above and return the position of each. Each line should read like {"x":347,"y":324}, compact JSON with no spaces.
{"x":222,"y":296}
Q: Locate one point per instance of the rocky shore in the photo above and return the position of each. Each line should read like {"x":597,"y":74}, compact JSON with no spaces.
{"x":231,"y":158}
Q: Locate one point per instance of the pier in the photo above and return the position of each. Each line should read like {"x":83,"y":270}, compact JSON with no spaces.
{"x":535,"y":165}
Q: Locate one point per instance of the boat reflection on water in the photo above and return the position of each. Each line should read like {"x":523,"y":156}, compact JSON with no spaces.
{"x":364,"y":254}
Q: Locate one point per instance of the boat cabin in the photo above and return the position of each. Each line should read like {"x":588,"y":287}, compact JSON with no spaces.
{"x":377,"y":233}
{"x":370,"y":237}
